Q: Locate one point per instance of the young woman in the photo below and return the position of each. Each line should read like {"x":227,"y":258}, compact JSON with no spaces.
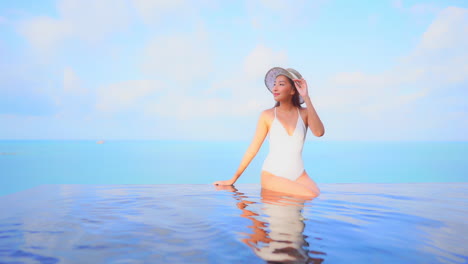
{"x":283,"y":169}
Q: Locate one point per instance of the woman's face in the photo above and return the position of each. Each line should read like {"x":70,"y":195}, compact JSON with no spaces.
{"x":282,"y":89}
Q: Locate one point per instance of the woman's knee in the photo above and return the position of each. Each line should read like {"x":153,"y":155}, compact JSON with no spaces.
{"x":310,"y":184}
{"x":311,"y":193}
{"x":316,"y":190}
{"x":307,"y":191}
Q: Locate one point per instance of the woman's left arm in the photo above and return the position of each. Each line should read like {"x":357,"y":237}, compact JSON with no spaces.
{"x":313,"y":120}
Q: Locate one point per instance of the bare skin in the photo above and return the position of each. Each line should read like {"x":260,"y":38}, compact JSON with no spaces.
{"x":283,"y":92}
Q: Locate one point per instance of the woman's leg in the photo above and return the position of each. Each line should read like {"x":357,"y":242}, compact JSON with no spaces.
{"x":306,"y":181}
{"x":282,"y":185}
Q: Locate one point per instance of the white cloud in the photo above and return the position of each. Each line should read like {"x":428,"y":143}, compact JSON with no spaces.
{"x":153,"y":10}
{"x":282,"y":5}
{"x":248,"y":95}
{"x":424,"y":8}
{"x":71,"y":82}
{"x":91,"y":20}
{"x":437,"y":61}
{"x":261,"y":59}
{"x":413,"y":99}
{"x":186,"y":107}
{"x":179,"y":59}
{"x":392,"y":77}
{"x":183,"y":106}
{"x":442,"y":50}
{"x":397,"y":4}
{"x":448,"y":29}
{"x":3,"y":20}
{"x":417,"y":9}
{"x":44,"y":33}
{"x":73,"y":98}
{"x":125,"y":95}
{"x":272,"y":14}
{"x":87,"y":20}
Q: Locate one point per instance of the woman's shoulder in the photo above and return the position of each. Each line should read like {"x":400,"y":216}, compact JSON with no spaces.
{"x":268,"y":114}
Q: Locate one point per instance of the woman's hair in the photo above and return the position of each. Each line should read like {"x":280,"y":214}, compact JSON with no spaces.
{"x":295,"y":99}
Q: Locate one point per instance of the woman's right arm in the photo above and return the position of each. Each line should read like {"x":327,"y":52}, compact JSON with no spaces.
{"x":259,"y":137}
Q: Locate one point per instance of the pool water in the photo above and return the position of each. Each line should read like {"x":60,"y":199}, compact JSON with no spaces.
{"x":201,"y":223}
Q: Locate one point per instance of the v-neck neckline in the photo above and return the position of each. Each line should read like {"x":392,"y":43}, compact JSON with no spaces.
{"x":295,"y":128}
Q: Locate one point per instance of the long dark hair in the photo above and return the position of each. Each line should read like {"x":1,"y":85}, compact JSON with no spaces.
{"x":295,"y":99}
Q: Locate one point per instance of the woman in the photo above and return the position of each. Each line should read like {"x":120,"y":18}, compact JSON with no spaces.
{"x":287,"y":122}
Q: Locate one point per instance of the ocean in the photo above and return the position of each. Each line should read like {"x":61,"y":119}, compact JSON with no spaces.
{"x":25,"y":164}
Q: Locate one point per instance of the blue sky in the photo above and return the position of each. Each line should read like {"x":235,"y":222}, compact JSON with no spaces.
{"x":193,"y":70}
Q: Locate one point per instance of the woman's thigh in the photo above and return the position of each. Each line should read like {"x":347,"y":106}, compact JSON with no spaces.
{"x":282,"y":185}
{"x":306,"y":181}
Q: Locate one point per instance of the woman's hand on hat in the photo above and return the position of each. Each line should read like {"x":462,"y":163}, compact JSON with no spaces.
{"x":301,"y":86}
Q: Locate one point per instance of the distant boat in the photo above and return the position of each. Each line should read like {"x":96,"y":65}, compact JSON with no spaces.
{"x":100,"y":142}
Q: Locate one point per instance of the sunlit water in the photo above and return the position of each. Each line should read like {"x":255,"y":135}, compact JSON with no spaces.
{"x":347,"y":223}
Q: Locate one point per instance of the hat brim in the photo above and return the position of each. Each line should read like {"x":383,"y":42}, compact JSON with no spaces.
{"x":271,"y":75}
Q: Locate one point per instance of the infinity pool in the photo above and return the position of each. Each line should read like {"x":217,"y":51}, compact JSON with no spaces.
{"x":347,"y":223}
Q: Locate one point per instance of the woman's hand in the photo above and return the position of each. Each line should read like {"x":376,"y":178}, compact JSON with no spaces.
{"x":229,"y":188}
{"x":228,"y":182}
{"x":301,"y":86}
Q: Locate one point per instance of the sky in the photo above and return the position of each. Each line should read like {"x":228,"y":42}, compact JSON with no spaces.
{"x":193,"y":70}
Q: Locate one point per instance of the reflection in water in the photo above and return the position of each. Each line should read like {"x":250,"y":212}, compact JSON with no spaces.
{"x":278,"y":231}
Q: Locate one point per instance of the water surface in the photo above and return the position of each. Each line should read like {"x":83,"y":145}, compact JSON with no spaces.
{"x":198,"y":223}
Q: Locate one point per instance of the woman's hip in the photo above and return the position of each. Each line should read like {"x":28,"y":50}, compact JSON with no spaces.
{"x":280,"y":184}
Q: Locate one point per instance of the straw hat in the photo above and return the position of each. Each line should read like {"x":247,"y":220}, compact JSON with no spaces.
{"x":271,"y":75}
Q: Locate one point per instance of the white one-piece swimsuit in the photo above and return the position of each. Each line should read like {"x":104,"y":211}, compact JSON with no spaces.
{"x":285,"y":156}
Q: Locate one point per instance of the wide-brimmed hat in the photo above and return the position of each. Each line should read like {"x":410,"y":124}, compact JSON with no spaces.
{"x":271,"y":75}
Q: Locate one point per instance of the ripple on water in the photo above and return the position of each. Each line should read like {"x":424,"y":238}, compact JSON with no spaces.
{"x":347,"y":223}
